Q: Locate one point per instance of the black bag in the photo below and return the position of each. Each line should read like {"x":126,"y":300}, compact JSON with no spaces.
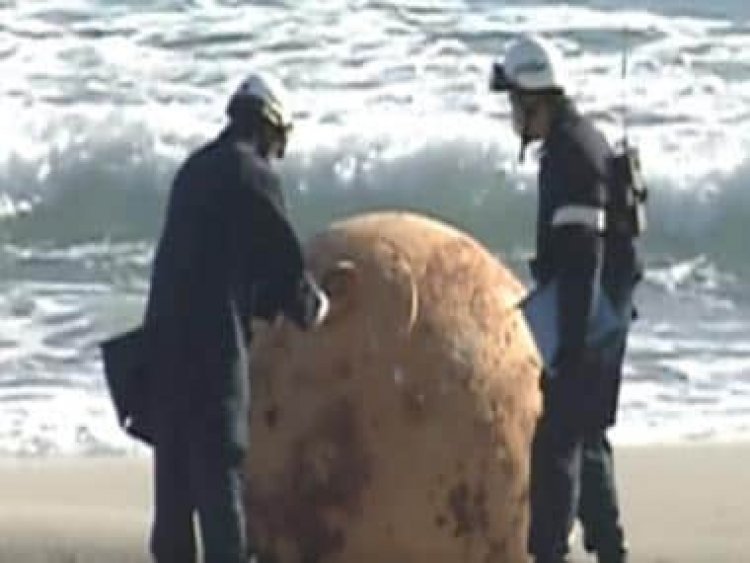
{"x":626,"y":209}
{"x":127,"y":375}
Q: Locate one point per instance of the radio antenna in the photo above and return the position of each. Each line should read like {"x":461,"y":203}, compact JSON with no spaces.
{"x":624,"y":91}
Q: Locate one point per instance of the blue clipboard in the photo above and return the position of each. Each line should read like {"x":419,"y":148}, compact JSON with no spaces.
{"x":541,"y":313}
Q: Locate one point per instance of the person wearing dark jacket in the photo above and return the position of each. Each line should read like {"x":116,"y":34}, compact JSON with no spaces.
{"x":227,"y":253}
{"x":572,"y":470}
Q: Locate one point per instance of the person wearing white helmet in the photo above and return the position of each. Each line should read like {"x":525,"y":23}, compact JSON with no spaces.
{"x":260,"y":105}
{"x":227,"y":253}
{"x":588,"y":259}
{"x":533,"y":74}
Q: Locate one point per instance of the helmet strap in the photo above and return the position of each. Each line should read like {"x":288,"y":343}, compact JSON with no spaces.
{"x":529,"y":110}
{"x":281,"y":149}
{"x":255,"y":129}
{"x":527,"y":113}
{"x":266,"y":136}
{"x":525,"y":140}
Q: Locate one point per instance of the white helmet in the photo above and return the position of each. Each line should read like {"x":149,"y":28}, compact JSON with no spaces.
{"x":531,"y":64}
{"x":265,"y":93}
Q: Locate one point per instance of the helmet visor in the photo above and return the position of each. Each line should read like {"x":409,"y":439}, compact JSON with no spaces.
{"x":499,"y":81}
{"x":275,"y":116}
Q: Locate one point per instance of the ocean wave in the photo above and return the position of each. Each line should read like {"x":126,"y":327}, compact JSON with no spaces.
{"x":101,"y":101}
{"x":113,"y":189}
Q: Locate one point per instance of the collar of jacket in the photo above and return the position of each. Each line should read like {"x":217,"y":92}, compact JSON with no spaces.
{"x":564,"y":114}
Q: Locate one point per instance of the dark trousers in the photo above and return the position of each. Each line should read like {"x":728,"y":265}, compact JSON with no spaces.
{"x":194,"y":473}
{"x":572,"y":474}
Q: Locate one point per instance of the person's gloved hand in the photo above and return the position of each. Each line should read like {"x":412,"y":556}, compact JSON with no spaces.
{"x":337,"y":291}
{"x":323,"y":308}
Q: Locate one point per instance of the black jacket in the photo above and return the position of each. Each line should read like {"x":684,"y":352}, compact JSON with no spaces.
{"x":227,"y":252}
{"x":573,"y":245}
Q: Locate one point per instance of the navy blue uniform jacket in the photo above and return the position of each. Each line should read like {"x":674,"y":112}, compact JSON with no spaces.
{"x":227,"y":252}
{"x":574,"y":247}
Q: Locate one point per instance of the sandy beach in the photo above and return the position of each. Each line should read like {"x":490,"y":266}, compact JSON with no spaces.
{"x":682,"y":504}
{"x":74,"y":510}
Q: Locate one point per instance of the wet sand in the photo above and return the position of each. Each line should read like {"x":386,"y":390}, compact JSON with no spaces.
{"x":681,"y":504}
